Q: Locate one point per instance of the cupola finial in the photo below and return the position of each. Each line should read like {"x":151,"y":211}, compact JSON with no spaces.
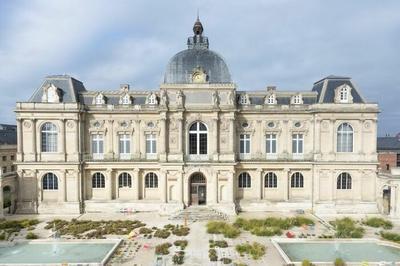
{"x":198,"y":27}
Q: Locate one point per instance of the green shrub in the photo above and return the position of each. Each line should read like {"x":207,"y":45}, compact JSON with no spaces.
{"x":181,"y":243}
{"x":266,"y":231}
{"x":218,"y":243}
{"x":163,"y":249}
{"x":178,"y":259}
{"x":212,"y":254}
{"x":229,"y":231}
{"x":301,"y":220}
{"x":226,"y":260}
{"x":256,"y":250}
{"x":339,"y":262}
{"x":145,"y":231}
{"x":31,"y":235}
{"x":306,"y":263}
{"x":2,"y":236}
{"x":181,"y":230}
{"x":347,"y":228}
{"x":378,"y":222}
{"x":391,"y":236}
{"x":162,"y":233}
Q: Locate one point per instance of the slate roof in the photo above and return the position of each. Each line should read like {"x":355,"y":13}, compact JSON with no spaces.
{"x":70,"y":88}
{"x":388,"y":144}
{"x":8,"y":134}
{"x":326,"y":89}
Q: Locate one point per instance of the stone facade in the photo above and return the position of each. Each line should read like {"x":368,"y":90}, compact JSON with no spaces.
{"x":197,"y":140}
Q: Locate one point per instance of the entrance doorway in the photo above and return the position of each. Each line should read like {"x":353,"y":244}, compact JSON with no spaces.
{"x":386,"y":200}
{"x":198,"y":189}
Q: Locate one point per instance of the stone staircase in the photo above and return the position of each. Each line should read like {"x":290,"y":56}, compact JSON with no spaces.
{"x":198,"y":213}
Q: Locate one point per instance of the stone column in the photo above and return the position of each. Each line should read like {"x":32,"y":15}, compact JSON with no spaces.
{"x":39,"y":186}
{"x":109,"y":187}
{"x":163,"y":186}
{"x":136,"y":147}
{"x":232,"y":135}
{"x":180,"y":187}
{"x":62,"y":138}
{"x":62,"y":186}
{"x":110,"y":138}
{"x":1,"y":198}
{"x":19,"y":185}
{"x":258,"y":184}
{"x":163,"y":130}
{"x":286,"y":184}
{"x":34,"y":139}
{"x":19,"y":140}
{"x":286,"y":138}
{"x":317,"y":136}
{"x":215,"y":187}
{"x":260,"y":139}
{"x":180,"y":135}
{"x":214,"y":148}
{"x":231,"y":186}
{"x":136,"y":186}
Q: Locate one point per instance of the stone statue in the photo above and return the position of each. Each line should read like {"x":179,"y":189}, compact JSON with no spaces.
{"x":231,"y":98}
{"x":215,"y":98}
{"x":163,"y":98}
{"x":179,"y":98}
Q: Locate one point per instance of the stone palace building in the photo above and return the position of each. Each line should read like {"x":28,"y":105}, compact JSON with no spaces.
{"x":196,"y":140}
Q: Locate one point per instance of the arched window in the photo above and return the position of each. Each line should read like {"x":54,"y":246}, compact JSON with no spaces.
{"x":297,"y":180}
{"x":126,"y":99}
{"x":198,"y":138}
{"x":98,"y":181}
{"x":244,"y":99}
{"x":244,"y":180}
{"x":270,"y":180}
{"x":49,"y":137}
{"x":124,"y":180}
{"x":151,"y":180}
{"x":345,"y":138}
{"x":152,"y":99}
{"x":50,"y":182}
{"x":99,"y":99}
{"x":344,"y":181}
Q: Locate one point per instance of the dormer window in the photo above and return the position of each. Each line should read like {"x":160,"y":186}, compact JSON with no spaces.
{"x":297,"y":99}
{"x":125,"y":99}
{"x":99,"y":99}
{"x":343,"y":94}
{"x":51,"y":94}
{"x":151,"y":99}
{"x":270,"y":99}
{"x":244,"y":99}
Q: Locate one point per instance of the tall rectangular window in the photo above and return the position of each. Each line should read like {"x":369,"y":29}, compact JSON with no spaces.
{"x":297,"y":143}
{"x":270,"y":144}
{"x":244,"y":143}
{"x":97,"y":146}
{"x":151,"y":144}
{"x":124,"y":144}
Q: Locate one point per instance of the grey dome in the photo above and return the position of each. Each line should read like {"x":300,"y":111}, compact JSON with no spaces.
{"x":182,"y":65}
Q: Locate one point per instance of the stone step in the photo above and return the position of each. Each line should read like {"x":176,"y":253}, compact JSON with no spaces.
{"x":198,"y":214}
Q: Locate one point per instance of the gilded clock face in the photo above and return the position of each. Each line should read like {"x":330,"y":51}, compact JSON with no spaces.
{"x":199,"y":76}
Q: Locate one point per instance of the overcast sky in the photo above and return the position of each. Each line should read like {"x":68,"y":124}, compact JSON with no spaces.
{"x":290,"y":44}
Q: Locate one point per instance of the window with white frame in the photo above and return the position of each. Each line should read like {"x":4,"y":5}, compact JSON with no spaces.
{"x":99,"y":99}
{"x":49,"y":182}
{"x":151,"y":144}
{"x":98,"y":180}
{"x":270,"y":180}
{"x":244,"y":143}
{"x":297,"y":99}
{"x":124,"y":180}
{"x":244,"y":99}
{"x":344,"y":181}
{"x":297,"y":143}
{"x":244,"y":180}
{"x":124,"y":144}
{"x":49,"y":137}
{"x":97,"y":144}
{"x":270,"y":144}
{"x":151,"y":180}
{"x":297,"y":180}
{"x":271,"y":99}
{"x":344,"y":94}
{"x":152,"y":99}
{"x":345,"y":138}
{"x":126,"y":99}
{"x":198,"y":138}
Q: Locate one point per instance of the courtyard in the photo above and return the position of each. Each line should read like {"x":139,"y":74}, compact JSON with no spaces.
{"x":151,"y":239}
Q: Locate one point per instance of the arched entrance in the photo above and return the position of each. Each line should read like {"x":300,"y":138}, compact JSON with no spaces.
{"x":7,"y":200}
{"x":198,"y":189}
{"x":386,"y":195}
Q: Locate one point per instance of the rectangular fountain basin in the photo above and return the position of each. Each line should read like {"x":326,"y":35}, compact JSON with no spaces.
{"x":62,"y":252}
{"x":324,"y":252}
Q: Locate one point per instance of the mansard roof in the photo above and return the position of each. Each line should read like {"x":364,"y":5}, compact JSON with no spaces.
{"x":8,"y":134}
{"x":326,"y":89}
{"x":388,"y":143}
{"x":69,"y":87}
